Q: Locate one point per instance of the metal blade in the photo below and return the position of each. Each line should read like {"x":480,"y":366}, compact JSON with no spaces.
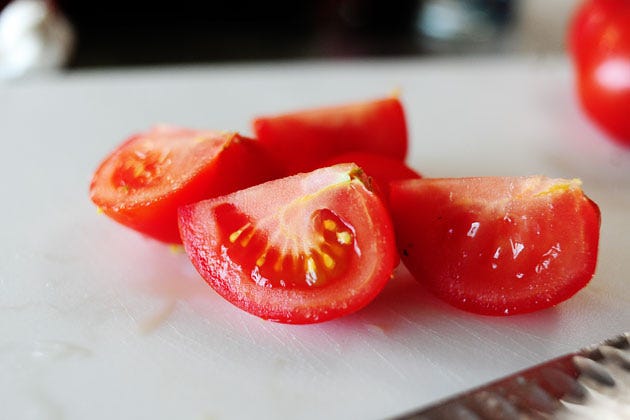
{"x":592,"y":383}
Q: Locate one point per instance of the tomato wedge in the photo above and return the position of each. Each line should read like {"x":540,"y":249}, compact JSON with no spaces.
{"x":302,"y":141}
{"x":143,"y":182}
{"x":303,"y":249}
{"x":497,"y":246}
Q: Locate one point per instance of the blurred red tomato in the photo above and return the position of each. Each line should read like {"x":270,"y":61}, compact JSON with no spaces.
{"x":599,"y":42}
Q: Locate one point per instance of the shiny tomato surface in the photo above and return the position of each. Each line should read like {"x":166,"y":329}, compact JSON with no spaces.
{"x":497,"y":246}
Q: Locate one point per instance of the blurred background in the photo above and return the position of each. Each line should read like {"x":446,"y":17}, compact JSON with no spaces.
{"x":41,"y":34}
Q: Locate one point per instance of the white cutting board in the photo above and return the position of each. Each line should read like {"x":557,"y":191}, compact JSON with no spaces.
{"x":98,"y":322}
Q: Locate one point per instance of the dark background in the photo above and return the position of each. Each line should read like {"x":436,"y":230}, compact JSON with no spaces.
{"x":142,"y":32}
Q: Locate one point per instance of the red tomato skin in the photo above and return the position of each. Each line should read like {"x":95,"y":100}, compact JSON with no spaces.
{"x":240,"y":163}
{"x":355,"y":204}
{"x":302,"y":141}
{"x":509,"y":252}
{"x":599,"y":43}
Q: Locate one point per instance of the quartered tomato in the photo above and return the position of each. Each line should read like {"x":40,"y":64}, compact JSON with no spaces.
{"x":301,"y":141}
{"x":382,"y":169}
{"x":497,"y":246}
{"x":302,"y":249}
{"x":143,"y":182}
{"x":599,"y":40}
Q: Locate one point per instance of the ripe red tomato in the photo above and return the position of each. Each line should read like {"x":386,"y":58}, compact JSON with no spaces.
{"x":301,"y":141}
{"x":599,"y":41}
{"x":143,"y":182}
{"x":323,"y":246}
{"x":382,"y":169}
{"x":497,"y":246}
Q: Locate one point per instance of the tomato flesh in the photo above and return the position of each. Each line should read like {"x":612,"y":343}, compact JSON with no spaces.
{"x":323,"y":248}
{"x":143,"y":182}
{"x":497,"y":246}
{"x":325,"y":260}
{"x":302,"y":141}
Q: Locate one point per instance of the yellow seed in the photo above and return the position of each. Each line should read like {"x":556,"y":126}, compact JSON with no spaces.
{"x":330,"y":224}
{"x":318,"y":239}
{"x":99,"y":210}
{"x":311,"y":271}
{"x":310,"y":264}
{"x":138,"y":170}
{"x":261,"y":260}
{"x":329,"y":262}
{"x":247,"y":238}
{"x":234,"y":235}
{"x":344,"y":238}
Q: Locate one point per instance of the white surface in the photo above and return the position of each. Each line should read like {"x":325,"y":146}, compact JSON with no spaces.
{"x":97,"y":322}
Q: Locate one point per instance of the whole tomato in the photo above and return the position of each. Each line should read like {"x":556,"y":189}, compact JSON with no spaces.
{"x":599,"y":43}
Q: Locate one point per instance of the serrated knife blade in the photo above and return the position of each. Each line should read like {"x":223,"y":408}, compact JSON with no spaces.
{"x":591,"y":383}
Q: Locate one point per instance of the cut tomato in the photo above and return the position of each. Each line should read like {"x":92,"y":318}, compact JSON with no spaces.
{"x":323,"y":246}
{"x":497,"y":246}
{"x":302,"y":141}
{"x":382,"y":169}
{"x":143,"y":182}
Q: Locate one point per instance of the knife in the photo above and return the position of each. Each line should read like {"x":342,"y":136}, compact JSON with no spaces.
{"x":591,"y":383}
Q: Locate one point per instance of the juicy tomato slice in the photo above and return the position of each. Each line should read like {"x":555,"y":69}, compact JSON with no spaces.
{"x":301,"y":141}
{"x":382,"y":169}
{"x":143,"y":182}
{"x":497,"y":246}
{"x":599,"y":42}
{"x":302,"y":249}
